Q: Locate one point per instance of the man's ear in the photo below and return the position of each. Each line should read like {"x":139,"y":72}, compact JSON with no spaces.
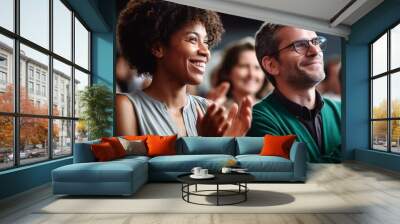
{"x":271,"y":65}
{"x":157,"y":50}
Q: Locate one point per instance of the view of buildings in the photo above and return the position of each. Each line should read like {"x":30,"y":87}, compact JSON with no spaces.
{"x":34,"y":99}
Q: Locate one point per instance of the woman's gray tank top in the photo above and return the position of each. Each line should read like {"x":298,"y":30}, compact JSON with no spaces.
{"x":153,"y":117}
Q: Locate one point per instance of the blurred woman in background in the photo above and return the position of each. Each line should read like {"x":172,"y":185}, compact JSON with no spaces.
{"x":239,"y":75}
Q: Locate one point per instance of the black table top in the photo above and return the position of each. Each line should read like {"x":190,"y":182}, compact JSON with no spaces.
{"x":220,"y":178}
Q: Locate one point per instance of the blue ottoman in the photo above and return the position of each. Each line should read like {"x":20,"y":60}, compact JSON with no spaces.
{"x":118,"y":177}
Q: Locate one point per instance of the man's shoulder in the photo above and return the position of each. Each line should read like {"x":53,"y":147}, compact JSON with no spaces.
{"x":333,"y":103}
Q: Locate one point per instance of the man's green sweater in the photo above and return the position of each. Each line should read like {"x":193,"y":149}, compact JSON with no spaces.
{"x":271,"y":117}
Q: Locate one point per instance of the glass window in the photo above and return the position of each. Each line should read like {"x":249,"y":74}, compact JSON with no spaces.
{"x":379,"y":56}
{"x":385,"y":125}
{"x":62,"y":137}
{"x":81,"y":81}
{"x":34,"y":79}
{"x":6,"y":142}
{"x":395,"y":95}
{"x":395,"y":136}
{"x":81,"y":45}
{"x":6,"y":73}
{"x":7,"y":14}
{"x":379,"y":100}
{"x":81,"y":131}
{"x":3,"y":61}
{"x":62,"y":74}
{"x":40,"y":62}
{"x":395,"y":47}
{"x":30,"y":72}
{"x":62,"y":29}
{"x":34,"y":142}
{"x":37,"y":89}
{"x":379,"y":135}
{"x":35,"y":21}
{"x":30,"y":88}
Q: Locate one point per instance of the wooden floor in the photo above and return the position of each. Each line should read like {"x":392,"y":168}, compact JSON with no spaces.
{"x":377,"y":188}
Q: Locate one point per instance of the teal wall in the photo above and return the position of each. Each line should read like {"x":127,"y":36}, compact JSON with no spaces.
{"x":99,"y":16}
{"x":24,"y":178}
{"x":356,"y":85}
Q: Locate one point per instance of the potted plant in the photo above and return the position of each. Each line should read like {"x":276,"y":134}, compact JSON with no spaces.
{"x":96,"y":103}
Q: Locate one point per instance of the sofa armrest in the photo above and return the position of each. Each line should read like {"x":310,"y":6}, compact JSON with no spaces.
{"x":298,"y":155}
{"x":83,"y":152}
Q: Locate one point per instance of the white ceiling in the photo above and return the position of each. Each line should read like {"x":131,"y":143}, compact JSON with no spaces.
{"x":324,"y":16}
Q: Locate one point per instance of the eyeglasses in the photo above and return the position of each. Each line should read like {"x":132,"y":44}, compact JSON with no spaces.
{"x":302,"y":46}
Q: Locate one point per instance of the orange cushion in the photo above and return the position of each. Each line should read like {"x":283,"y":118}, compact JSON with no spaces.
{"x":277,"y":145}
{"x":161,"y":145}
{"x":116,"y":145}
{"x":103,"y":151}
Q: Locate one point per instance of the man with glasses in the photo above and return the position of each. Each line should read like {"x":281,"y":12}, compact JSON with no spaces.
{"x":292,"y":59}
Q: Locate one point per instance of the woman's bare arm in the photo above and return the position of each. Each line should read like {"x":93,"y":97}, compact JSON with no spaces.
{"x":125,"y":116}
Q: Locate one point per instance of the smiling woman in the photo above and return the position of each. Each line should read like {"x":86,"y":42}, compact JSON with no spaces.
{"x":172,"y":42}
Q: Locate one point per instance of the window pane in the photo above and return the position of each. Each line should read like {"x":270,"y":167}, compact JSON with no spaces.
{"x":7,"y":14}
{"x":379,"y":97}
{"x":395,"y":94}
{"x":395,"y":132}
{"x":62,"y":89}
{"x":62,"y":138}
{"x":6,"y":142}
{"x":395,"y":47}
{"x":81,"y":81}
{"x":62,"y":29}
{"x":34,"y":97}
{"x":35,"y":21}
{"x":81,"y":131}
{"x":379,"y":135}
{"x":33,"y":139}
{"x":379,"y":55}
{"x":81,"y":45}
{"x":6,"y":74}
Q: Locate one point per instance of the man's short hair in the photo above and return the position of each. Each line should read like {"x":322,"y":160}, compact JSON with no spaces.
{"x":267,"y":44}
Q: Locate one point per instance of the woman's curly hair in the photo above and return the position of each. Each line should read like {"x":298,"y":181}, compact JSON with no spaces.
{"x":145,"y":22}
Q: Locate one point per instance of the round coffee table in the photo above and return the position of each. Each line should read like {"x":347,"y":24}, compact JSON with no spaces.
{"x":238,"y":179}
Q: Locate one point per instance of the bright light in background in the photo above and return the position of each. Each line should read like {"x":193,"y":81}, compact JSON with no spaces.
{"x":379,"y":58}
{"x":7,"y":14}
{"x":35,"y":21}
{"x":81,"y":45}
{"x":35,"y":27}
{"x":380,"y":96}
{"x":395,"y":47}
{"x":62,"y":30}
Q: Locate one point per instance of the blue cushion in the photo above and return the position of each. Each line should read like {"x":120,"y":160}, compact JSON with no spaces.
{"x":185,"y":163}
{"x":207,"y":145}
{"x":257,"y":163}
{"x":83,"y":152}
{"x":249,"y":145}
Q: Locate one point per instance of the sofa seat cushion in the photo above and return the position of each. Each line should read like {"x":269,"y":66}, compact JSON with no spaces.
{"x":257,"y":163}
{"x":185,"y":163}
{"x":112,"y":171}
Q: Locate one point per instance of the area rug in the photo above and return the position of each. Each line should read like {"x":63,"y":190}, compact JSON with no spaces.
{"x":167,"y":198}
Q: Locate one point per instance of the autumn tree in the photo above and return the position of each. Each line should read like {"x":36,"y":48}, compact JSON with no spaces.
{"x":33,"y":131}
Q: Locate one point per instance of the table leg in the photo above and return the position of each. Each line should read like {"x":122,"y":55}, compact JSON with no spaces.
{"x":217,"y":194}
{"x":245,"y":191}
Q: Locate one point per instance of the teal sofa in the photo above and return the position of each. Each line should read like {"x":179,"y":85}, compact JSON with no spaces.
{"x":125,"y":176}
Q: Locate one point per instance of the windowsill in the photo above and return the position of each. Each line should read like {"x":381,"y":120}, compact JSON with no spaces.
{"x":380,"y":151}
{"x":378,"y":158}
{"x":25,"y":167}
